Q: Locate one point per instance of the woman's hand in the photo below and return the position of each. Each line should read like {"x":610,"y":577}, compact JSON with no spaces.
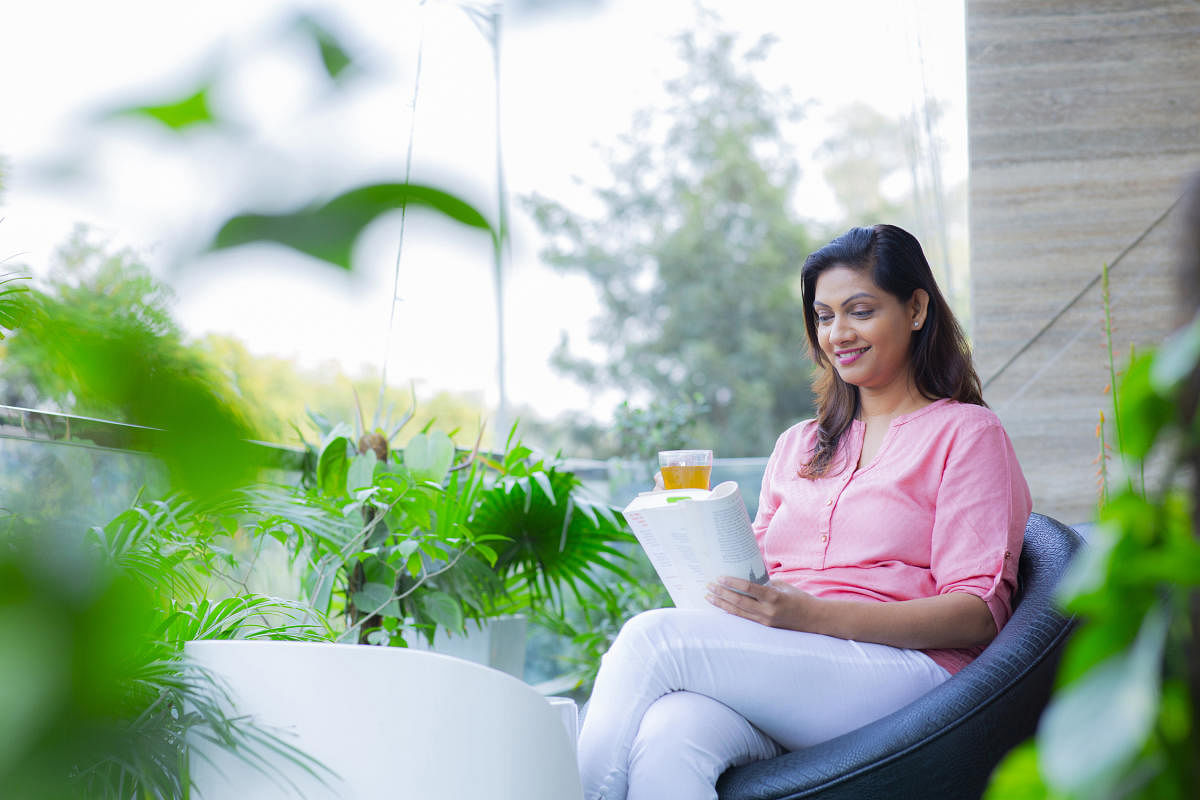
{"x":776,"y":604}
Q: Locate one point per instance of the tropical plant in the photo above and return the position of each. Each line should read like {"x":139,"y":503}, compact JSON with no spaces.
{"x":439,"y":536}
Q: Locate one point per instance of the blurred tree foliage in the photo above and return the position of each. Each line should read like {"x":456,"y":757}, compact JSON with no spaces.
{"x":95,"y":283}
{"x":867,"y":151}
{"x":695,"y":253}
{"x":282,"y":393}
{"x":274,"y":394}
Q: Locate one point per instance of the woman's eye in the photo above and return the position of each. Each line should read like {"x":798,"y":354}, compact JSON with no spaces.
{"x":861,"y":313}
{"x":824,"y":319}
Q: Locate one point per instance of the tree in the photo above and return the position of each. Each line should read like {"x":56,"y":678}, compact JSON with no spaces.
{"x":98,"y":284}
{"x":865,"y":151}
{"x":695,"y":253}
{"x":281,"y":394}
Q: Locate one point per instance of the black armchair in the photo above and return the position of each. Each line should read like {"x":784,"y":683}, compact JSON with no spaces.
{"x":947,"y":743}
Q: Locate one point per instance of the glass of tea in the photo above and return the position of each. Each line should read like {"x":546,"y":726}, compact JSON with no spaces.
{"x":685,"y":469}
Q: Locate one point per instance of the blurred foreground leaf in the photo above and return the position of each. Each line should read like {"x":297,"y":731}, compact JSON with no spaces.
{"x":125,"y":369}
{"x":334,"y":55}
{"x":1017,"y":776}
{"x":328,"y":231}
{"x":176,"y":114}
{"x":14,"y":298}
{"x":74,"y":637}
{"x":1095,"y":727}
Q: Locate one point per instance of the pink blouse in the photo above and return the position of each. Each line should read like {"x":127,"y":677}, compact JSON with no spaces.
{"x":942,"y":508}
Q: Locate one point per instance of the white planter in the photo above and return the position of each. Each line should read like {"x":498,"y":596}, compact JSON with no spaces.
{"x":387,"y":722}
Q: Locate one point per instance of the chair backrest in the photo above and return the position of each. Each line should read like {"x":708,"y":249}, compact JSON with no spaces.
{"x":946,"y":743}
{"x":389,"y":722}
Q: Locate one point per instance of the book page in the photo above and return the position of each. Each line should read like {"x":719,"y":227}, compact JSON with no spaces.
{"x":667,"y":532}
{"x":736,"y":552}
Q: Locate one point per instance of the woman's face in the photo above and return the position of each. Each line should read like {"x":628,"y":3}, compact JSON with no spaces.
{"x":864,"y":331}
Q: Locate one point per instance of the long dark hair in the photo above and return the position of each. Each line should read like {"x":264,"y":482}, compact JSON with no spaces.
{"x":940,"y":354}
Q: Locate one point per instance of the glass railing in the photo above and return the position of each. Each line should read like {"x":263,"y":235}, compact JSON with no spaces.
{"x":93,"y":469}
{"x":81,"y":471}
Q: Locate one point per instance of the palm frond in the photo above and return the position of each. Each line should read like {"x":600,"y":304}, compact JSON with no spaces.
{"x":553,"y":547}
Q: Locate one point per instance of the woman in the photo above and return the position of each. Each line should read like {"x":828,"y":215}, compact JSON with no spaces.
{"x":891,"y":525}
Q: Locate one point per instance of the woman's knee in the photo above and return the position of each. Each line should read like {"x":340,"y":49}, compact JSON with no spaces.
{"x":688,"y":739}
{"x":641,"y":629}
{"x":664,"y":742}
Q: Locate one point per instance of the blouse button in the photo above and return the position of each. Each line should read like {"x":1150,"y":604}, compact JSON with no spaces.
{"x":829,"y":502}
{"x":824,"y":537}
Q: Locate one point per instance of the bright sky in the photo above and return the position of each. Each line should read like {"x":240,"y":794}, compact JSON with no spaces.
{"x":571,"y":80}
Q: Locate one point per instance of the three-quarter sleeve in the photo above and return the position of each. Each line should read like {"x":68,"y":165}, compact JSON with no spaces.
{"x":983,"y":504}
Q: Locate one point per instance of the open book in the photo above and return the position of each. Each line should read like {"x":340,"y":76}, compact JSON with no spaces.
{"x":693,"y":536}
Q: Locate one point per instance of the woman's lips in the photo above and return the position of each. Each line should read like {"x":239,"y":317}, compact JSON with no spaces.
{"x":847,"y":357}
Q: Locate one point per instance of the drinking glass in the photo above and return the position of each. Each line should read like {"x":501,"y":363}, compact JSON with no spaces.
{"x":685,"y":469}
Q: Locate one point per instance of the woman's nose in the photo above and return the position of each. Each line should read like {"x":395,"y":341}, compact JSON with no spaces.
{"x":840,"y":330}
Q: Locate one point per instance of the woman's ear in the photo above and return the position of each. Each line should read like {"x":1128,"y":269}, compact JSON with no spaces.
{"x":918,"y":306}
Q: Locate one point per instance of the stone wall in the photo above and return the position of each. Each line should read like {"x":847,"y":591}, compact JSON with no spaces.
{"x":1084,"y":118}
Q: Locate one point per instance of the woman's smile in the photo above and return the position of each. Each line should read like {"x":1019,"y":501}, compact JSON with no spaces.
{"x":847,"y":357}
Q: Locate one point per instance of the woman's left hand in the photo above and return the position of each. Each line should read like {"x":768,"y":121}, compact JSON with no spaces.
{"x":776,"y":604}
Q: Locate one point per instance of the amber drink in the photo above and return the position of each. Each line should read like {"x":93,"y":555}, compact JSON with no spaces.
{"x":685,"y":469}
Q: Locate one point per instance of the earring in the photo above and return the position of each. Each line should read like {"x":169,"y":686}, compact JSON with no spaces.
{"x":916,"y":324}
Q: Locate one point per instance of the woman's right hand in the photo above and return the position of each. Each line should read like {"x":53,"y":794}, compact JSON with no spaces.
{"x":658,"y":482}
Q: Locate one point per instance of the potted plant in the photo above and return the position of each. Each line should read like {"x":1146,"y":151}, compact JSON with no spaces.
{"x":433,"y":539}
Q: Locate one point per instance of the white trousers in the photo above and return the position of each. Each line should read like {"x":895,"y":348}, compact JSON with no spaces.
{"x":683,"y":695}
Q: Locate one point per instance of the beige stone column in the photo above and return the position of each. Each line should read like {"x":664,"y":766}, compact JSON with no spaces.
{"x":1084,"y":118}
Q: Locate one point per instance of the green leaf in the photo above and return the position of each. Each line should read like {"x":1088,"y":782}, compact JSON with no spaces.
{"x":334,"y":56}
{"x":429,"y":455}
{"x":321,"y":589}
{"x":1176,"y":357}
{"x":1017,"y":776}
{"x":543,"y":480}
{"x":362,"y":470}
{"x":175,"y":114}
{"x":1144,"y":410}
{"x":371,"y":597}
{"x":442,"y":609}
{"x":333,"y":466}
{"x":1089,"y":566}
{"x":14,"y":302}
{"x":328,"y":231}
{"x":1096,"y":726}
{"x":487,"y":553}
{"x":376,"y":570}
